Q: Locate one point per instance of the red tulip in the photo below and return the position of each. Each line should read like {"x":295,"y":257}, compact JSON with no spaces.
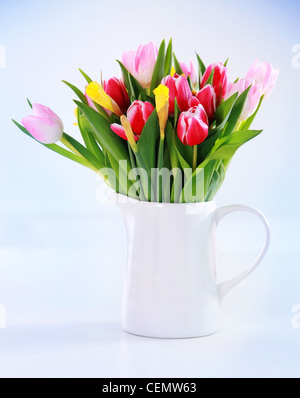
{"x":207,"y":98}
{"x":178,"y":88}
{"x":192,"y":126}
{"x":137,"y":114}
{"x":117,"y":91}
{"x":220,"y":80}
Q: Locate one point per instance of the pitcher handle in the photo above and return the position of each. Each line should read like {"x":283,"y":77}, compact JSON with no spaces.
{"x":225,"y":287}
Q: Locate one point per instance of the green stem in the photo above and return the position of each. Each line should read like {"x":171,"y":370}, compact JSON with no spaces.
{"x":195,"y":157}
{"x":65,"y":141}
{"x":146,"y":183}
{"x":160,"y":165}
{"x":133,"y":166}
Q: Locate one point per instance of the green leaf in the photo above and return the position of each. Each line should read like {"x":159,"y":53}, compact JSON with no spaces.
{"x":103,"y":133}
{"x":210,"y":79}
{"x":223,"y":110}
{"x":247,"y":123}
{"x":56,"y":148}
{"x":81,"y":150}
{"x":226,"y":62}
{"x":159,"y":69}
{"x":125,"y":75}
{"x":139,"y":92}
{"x":76,"y":90}
{"x":87,"y":78}
{"x":206,"y":146}
{"x":215,"y":183}
{"x":123,"y":185}
{"x":29,"y":103}
{"x":135,"y":90}
{"x":169,"y":57}
{"x":236,"y":112}
{"x":226,"y":147}
{"x":171,"y":145}
{"x":88,"y":137}
{"x":175,"y":165}
{"x":184,"y":154}
{"x":176,"y":113}
{"x":147,"y":144}
{"x":185,"y":151}
{"x":202,"y":67}
{"x":190,"y":82}
{"x":178,"y":69}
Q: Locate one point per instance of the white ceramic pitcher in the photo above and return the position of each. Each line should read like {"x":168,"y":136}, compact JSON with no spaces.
{"x":171,"y":289}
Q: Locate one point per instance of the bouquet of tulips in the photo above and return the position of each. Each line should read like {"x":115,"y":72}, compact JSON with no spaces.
{"x":163,"y":132}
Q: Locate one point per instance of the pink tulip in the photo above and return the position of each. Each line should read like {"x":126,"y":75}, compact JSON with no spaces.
{"x":253,"y":97}
{"x":192,"y":126}
{"x":207,"y":98}
{"x":44,"y":125}
{"x":189,"y":70}
{"x":263,"y":74}
{"x":178,"y":88}
{"x":141,"y":63}
{"x":137,"y":114}
{"x":220,"y":80}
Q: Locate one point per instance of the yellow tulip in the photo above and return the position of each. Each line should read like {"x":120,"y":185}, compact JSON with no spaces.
{"x":162,"y":106}
{"x":96,"y":93}
{"x":129,"y":133}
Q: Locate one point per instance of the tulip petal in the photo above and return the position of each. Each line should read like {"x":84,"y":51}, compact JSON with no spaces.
{"x":162,"y":105}
{"x":44,"y":129}
{"x":193,"y":101}
{"x":145,"y":60}
{"x":44,"y":111}
{"x":119,"y":130}
{"x":197,"y":131}
{"x":128,"y":61}
{"x":135,"y":117}
{"x":96,"y":92}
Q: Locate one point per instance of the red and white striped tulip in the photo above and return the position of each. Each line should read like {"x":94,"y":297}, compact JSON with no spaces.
{"x":137,"y":115}
{"x":192,"y":128}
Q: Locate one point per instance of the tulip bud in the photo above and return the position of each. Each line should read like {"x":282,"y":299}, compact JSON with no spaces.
{"x":117,"y":91}
{"x":96,"y":93}
{"x":207,"y":98}
{"x":178,"y":88}
{"x":162,"y":106}
{"x":129,"y":133}
{"x":137,"y":114}
{"x":192,"y":126}
{"x":141,"y":63}
{"x":263,"y":74}
{"x":44,"y":125}
{"x":220,"y":80}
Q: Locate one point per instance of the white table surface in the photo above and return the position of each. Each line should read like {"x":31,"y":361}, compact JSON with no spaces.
{"x":61,"y":285}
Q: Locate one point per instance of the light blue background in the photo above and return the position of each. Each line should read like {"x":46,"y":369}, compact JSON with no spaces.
{"x":62,"y":253}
